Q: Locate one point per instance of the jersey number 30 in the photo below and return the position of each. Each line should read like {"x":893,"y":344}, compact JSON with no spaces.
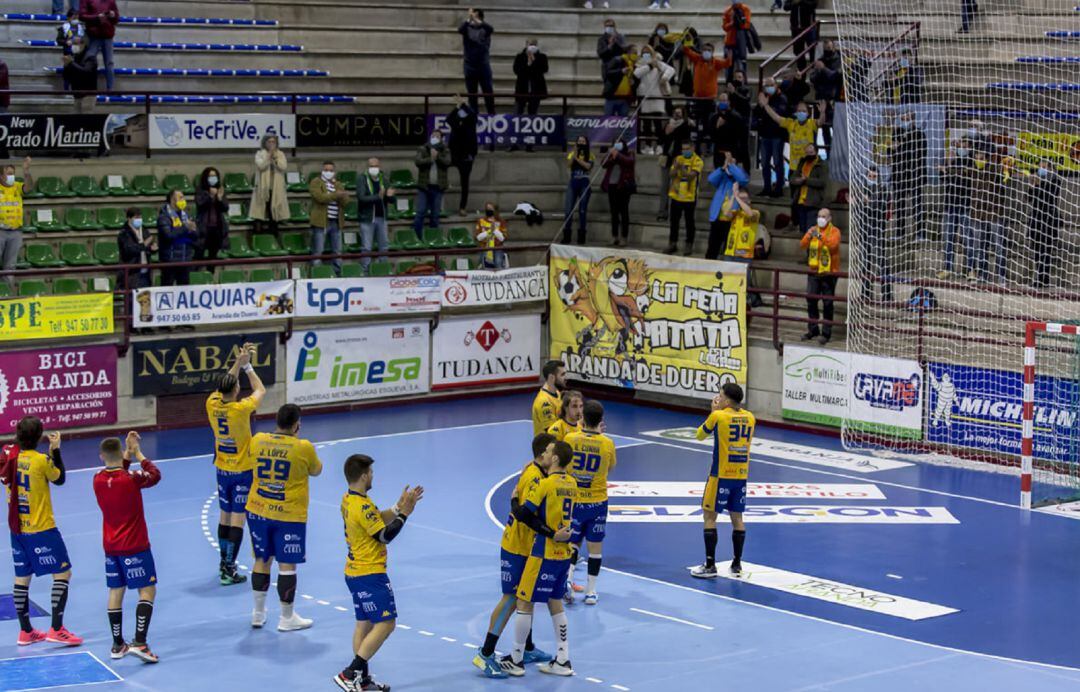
{"x":586,"y":462}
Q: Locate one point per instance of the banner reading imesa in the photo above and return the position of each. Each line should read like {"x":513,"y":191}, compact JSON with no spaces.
{"x":484,"y":350}
{"x":221,"y":130}
{"x":372,"y":295}
{"x":362,"y":362}
{"x":56,"y":317}
{"x":64,"y":387}
{"x":480,"y":287}
{"x":178,"y":305}
{"x":643,"y":320}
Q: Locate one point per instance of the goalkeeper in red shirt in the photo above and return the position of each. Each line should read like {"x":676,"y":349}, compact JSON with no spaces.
{"x":129,"y":564}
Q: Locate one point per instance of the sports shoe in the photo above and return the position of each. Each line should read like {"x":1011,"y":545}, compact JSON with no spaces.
{"x":736,"y":567}
{"x":63,"y":636}
{"x":536,"y":656}
{"x":143,"y":653}
{"x":588,"y":4}
{"x":591,"y":598}
{"x":490,"y":666}
{"x":370,"y":683}
{"x":295,"y":622}
{"x":578,"y":588}
{"x":31,"y":637}
{"x":230,"y":575}
{"x":511,"y":668}
{"x":703,"y":572}
{"x":258,"y":618}
{"x":555,"y":668}
{"x":666,"y":5}
{"x":654,"y":6}
{"x":606,"y":4}
{"x":119,"y":651}
{"x":349,"y":685}
{"x":568,"y":594}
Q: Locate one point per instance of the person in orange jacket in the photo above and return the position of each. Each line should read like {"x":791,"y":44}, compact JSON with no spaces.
{"x":736,"y":30}
{"x":490,"y":234}
{"x":822,"y":245}
{"x":707,"y":71}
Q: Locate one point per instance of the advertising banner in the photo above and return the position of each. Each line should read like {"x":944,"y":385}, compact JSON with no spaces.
{"x":56,"y":317}
{"x":354,"y":363}
{"x":178,"y":305}
{"x":817,"y":383}
{"x":469,"y":351}
{"x":360,"y":130}
{"x":1061,"y":149}
{"x":642,"y":320}
{"x":521,"y":285}
{"x":43,"y":135}
{"x":374,"y":295}
{"x":602,"y":129}
{"x":221,"y":130}
{"x":507,"y":129}
{"x":64,"y":387}
{"x":189,"y":366}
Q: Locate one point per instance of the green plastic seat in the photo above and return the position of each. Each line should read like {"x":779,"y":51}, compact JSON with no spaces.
{"x":409,"y":210}
{"x":117,"y":186}
{"x":178,"y":181}
{"x":405,"y":239}
{"x":47,"y":221}
{"x":100,"y":284}
{"x":297,"y":213}
{"x":82,"y":220}
{"x":5,"y":290}
{"x":231,"y":276}
{"x":85,"y":186}
{"x":402,"y":179}
{"x":65,"y":286}
{"x":323,"y":271}
{"x":51,"y":186}
{"x":238,"y":213}
{"x":237,"y":183}
{"x":460,"y":237}
{"x":41,"y":256}
{"x":380,"y":268}
{"x":295,"y":183}
{"x":352,"y":270}
{"x":200,"y":278}
{"x":434,"y":238}
{"x":352,"y":211}
{"x":113,"y":218}
{"x":295,"y":243}
{"x":239,"y":248}
{"x":149,"y":216}
{"x":267,"y":246}
{"x":261,"y":276}
{"x":404,"y":266}
{"x":457,"y":263}
{"x":348,"y":179}
{"x":20,"y":259}
{"x":106,"y":252}
{"x":76,"y":255}
{"x":29,"y":288}
{"x":147,"y":185}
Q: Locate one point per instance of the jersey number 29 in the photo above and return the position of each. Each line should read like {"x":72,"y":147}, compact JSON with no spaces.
{"x":273,"y":469}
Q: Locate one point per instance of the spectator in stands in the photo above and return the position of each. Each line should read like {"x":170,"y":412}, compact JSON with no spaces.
{"x":801,"y":129}
{"x":429,"y":191}
{"x":530,"y":68}
{"x":826,"y":74}
{"x":822,"y":245}
{"x":211,"y":215}
{"x":463,"y":147}
{"x":665,"y":5}
{"x":373,"y":199}
{"x":136,"y":246}
{"x":619,"y":83}
{"x":771,"y":137}
{"x":328,"y":200}
{"x":101,"y":18}
{"x":58,"y":6}
{"x":736,"y":22}
{"x":707,"y":69}
{"x":988,"y":215}
{"x":666,"y":43}
{"x":730,"y":133}
{"x":793,"y":86}
{"x":1045,"y":221}
{"x":742,"y":239}
{"x":620,"y":183}
{"x":5,"y":84}
{"x":909,"y":175}
{"x":968,"y":10}
{"x":176,"y":234}
{"x":875,"y":223}
{"x":653,"y":77}
{"x":677,"y":129}
{"x":685,"y":176}
{"x":80,"y":72}
{"x":68,"y":34}
{"x":476,"y":44}
{"x":802,"y":17}
{"x":906,"y":83}
{"x":491,"y":233}
{"x":580,"y":161}
{"x":727,"y":179}
{"x":269,"y":199}
{"x":609,"y":46}
{"x":12,"y":215}
{"x":739,"y":95}
{"x":957,"y":176}
{"x":807,"y":181}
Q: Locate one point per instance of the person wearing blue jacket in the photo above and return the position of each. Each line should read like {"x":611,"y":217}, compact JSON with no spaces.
{"x":176,"y":239}
{"x":723,"y":204}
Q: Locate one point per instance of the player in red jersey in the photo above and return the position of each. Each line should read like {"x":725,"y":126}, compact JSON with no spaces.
{"x":128,"y":560}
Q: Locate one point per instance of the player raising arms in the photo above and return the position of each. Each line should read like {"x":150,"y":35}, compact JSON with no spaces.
{"x":367,"y":533}
{"x":277,"y":508}
{"x":37,"y":548}
{"x":594,"y":458}
{"x":549,"y":508}
{"x":128,"y":560}
{"x":517,"y":544}
{"x":731,"y":428}
{"x":545,"y":408}
{"x":230,"y":419}
{"x":569,"y":415}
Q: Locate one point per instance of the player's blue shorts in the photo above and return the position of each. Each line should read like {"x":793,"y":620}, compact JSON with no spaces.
{"x":590,"y":521}
{"x":39,"y":553}
{"x":722,"y":493}
{"x":232,"y":490}
{"x":511,"y":568}
{"x":543,"y":579}
{"x":131,"y":571}
{"x":373,"y":597}
{"x":285,"y":541}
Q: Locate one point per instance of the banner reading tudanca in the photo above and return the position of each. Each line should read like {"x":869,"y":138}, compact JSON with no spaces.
{"x":643,"y":320}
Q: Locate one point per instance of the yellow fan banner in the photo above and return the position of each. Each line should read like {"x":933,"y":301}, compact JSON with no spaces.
{"x":56,"y":317}
{"x":647,"y":321}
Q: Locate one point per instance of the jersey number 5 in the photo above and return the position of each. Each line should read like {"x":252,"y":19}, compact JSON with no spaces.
{"x":223,"y":427}
{"x":586,"y":462}
{"x":273,"y":469}
{"x":24,"y":481}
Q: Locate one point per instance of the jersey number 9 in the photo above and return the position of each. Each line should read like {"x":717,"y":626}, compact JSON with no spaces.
{"x":586,"y":462}
{"x":273,"y":469}
{"x":567,"y":509}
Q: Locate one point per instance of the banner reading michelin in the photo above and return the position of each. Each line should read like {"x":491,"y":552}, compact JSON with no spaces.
{"x":643,"y":320}
{"x":354,"y":363}
{"x":56,"y":317}
{"x":480,"y":287}
{"x":494,"y":349}
{"x":180,"y":305}
{"x":220,"y":130}
{"x":371,"y":295}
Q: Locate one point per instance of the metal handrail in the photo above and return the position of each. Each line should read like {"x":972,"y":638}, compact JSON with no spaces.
{"x":813,"y":29}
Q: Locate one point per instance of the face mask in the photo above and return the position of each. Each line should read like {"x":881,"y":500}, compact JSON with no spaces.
{"x":872,"y":182}
{"x":707,"y":55}
{"x":462,"y":112}
{"x":770,"y":90}
{"x":327,"y":175}
{"x":618,"y":146}
{"x":722,"y":105}
{"x":435,"y":141}
{"x":822,"y":222}
{"x":962,"y":152}
{"x":823,"y":154}
{"x":973,"y":132}
{"x":661,"y":32}
{"x":136,"y":224}
{"x":533,"y":49}
{"x":1043,"y":172}
{"x":980,"y":164}
{"x":212,"y":180}
{"x":489,"y":213}
{"x":801,"y":116}
{"x":688,"y":154}
{"x":582,"y":147}
{"x":181,"y":205}
{"x":373,"y":171}
{"x":9,"y":180}
{"x":905,"y":63}
{"x":1012,"y":151}
{"x":609,"y":30}
{"x":646,"y":59}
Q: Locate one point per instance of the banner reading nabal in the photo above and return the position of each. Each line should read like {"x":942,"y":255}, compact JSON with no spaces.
{"x":643,"y":320}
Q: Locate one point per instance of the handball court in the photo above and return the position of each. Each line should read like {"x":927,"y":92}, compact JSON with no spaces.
{"x":862,"y":572}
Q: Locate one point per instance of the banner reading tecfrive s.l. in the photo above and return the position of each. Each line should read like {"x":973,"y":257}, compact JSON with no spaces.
{"x":220,"y":130}
{"x":180,"y":305}
{"x":64,"y":387}
{"x":486,"y":349}
{"x":481,"y":287}
{"x":643,"y":320}
{"x":363,"y":362}
{"x":373,"y":295}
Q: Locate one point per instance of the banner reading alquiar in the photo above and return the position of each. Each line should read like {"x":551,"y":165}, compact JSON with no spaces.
{"x":56,"y":317}
{"x":643,"y":320}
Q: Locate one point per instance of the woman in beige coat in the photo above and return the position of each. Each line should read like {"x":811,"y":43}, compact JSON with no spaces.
{"x":269,"y":200}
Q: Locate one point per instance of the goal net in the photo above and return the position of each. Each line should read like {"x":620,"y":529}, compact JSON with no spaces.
{"x":963,"y":149}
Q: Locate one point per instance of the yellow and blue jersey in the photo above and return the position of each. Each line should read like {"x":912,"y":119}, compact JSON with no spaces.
{"x":362,"y":522}
{"x":594,"y":457}
{"x":517,"y":538}
{"x":732,"y":431}
{"x":279,"y":487}
{"x":560,"y":429}
{"x":553,"y":500}
{"x":33,"y":473}
{"x":545,"y":410}
{"x":231,"y":423}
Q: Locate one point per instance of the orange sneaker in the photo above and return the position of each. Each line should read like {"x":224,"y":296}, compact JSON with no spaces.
{"x":31,"y":637}
{"x":63,"y":636}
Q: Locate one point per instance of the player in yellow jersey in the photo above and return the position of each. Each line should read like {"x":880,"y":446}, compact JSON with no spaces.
{"x":569,"y":415}
{"x":545,"y":408}
{"x":731,"y":428}
{"x":514,"y":550}
{"x":230,"y":419}
{"x":548,"y":508}
{"x":277,"y":509}
{"x":594,"y":458}
{"x":37,"y":548}
{"x":367,"y":533}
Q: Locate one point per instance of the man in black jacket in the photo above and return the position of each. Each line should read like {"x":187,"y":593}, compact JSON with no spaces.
{"x":611,"y":44}
{"x":530,"y":66}
{"x":463,"y":147}
{"x":771,"y":139}
{"x":730,"y":133}
{"x":136,"y":246}
{"x":803,"y":15}
{"x":909,"y":175}
{"x":874,"y":224}
{"x":476,"y":43}
{"x":1044,"y":199}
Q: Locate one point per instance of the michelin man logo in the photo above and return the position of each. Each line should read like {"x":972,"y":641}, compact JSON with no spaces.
{"x":946,"y":396}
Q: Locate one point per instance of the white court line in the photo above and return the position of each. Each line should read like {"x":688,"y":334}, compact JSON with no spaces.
{"x":596,"y":680}
{"x":673,"y":619}
{"x":425,"y":633}
{"x":117,"y":677}
{"x":448,"y":639}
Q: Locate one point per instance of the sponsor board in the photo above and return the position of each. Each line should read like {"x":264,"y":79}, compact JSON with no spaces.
{"x":192,"y":365}
{"x":220,"y":130}
{"x":64,"y":387}
{"x":786,"y":514}
{"x":368,"y":296}
{"x":602,"y":129}
{"x":44,"y":134}
{"x":1062,"y":149}
{"x":360,"y":130}
{"x":179,"y":305}
{"x":821,"y":491}
{"x":847,"y":461}
{"x":497,"y":349}
{"x":643,"y":320}
{"x":816,"y":385}
{"x":354,"y":363}
{"x":56,"y":317}
{"x":507,"y":129}
{"x":520,"y":285}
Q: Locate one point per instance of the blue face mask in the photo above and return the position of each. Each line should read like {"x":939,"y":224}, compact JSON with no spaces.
{"x":688,"y":154}
{"x":707,"y":55}
{"x":962,"y":153}
{"x":723,"y":106}
{"x":770,"y":90}
{"x":661,"y":32}
{"x":136,"y":224}
{"x":801,"y":116}
{"x":872,"y":182}
{"x":462,"y":112}
{"x":1043,"y":172}
{"x":905,"y":63}
{"x":212,"y":180}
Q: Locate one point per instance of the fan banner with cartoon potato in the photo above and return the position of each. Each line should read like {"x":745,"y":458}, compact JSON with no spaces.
{"x":179,"y":305}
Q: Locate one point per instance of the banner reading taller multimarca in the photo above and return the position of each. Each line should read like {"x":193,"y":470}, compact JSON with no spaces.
{"x":647,"y":321}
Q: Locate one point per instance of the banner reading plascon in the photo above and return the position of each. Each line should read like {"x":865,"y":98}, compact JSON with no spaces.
{"x":642,"y":320}
{"x":180,"y":305}
{"x":480,"y":287}
{"x":56,"y":317}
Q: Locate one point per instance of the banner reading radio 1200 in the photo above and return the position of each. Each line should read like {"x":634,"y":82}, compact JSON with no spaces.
{"x":643,"y":320}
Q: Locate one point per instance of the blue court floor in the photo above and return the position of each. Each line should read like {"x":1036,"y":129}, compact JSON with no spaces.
{"x":862,"y":574}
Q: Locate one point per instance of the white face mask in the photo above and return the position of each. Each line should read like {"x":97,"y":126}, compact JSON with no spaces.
{"x":462,"y":112}
{"x":373,"y":171}
{"x":646,"y":58}
{"x":327,"y":175}
{"x":434,"y":141}
{"x":533,"y":49}
{"x":9,"y":180}
{"x":136,"y":224}
{"x":212,"y":180}
{"x":707,"y":55}
{"x":822,"y":222}
{"x":618,"y":146}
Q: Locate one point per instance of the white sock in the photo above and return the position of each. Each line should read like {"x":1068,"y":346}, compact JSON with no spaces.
{"x":562,"y":636}
{"x":260,"y":601}
{"x":522,"y":627}
{"x":286,"y":610}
